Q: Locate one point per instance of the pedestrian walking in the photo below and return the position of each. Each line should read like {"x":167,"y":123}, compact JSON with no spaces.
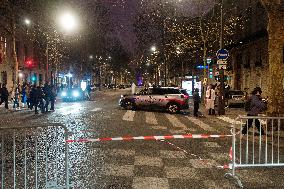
{"x":24,"y":95}
{"x":38,"y":100}
{"x":4,"y":96}
{"x":28,"y":91}
{"x":210,"y":100}
{"x":47,"y":94}
{"x":196,"y":101}
{"x":52,"y":97}
{"x":256,"y":106}
{"x":16,"y":97}
{"x":32,"y":96}
{"x":133,"y":88}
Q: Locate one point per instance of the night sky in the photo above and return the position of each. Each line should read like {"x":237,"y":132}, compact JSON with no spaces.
{"x":123,"y":13}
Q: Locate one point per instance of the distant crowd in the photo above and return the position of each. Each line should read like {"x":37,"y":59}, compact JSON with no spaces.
{"x":32,"y":96}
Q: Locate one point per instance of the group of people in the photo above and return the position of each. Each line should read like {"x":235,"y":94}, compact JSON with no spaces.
{"x":254,"y":102}
{"x":37,"y":97}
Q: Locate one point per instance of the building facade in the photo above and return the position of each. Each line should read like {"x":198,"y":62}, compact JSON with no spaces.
{"x":249,"y":55}
{"x":31,"y":67}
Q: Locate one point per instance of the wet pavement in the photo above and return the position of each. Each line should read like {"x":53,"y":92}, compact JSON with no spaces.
{"x":173,"y":163}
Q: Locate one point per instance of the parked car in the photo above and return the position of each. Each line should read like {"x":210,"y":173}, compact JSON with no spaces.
{"x":235,"y":98}
{"x":172,"y":99}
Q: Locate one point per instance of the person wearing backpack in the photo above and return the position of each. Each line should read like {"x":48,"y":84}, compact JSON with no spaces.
{"x":255,"y":106}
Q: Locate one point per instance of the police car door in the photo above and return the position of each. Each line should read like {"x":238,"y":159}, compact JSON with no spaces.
{"x":143,"y":99}
{"x":158,"y":97}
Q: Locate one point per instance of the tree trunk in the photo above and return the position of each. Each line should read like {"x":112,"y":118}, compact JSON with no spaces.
{"x":275,"y":30}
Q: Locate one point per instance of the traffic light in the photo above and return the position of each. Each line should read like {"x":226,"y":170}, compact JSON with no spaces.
{"x":29,"y":63}
{"x":209,"y":60}
{"x":210,"y":73}
{"x":33,"y":78}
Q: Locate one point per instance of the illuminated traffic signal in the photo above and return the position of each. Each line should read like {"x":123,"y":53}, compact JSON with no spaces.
{"x":33,"y":78}
{"x":29,"y":63}
{"x":210,"y":73}
{"x":209,"y":60}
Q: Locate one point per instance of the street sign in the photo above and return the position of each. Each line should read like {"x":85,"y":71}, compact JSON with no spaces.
{"x":222,"y":66}
{"x":204,"y":81}
{"x":220,"y":61}
{"x":222,"y":54}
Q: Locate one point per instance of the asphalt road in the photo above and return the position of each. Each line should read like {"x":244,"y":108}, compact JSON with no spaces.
{"x":173,"y":163}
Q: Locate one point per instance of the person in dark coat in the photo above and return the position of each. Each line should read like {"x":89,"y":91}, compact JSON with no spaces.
{"x":24,"y":95}
{"x":256,"y":107}
{"x":47,"y":96}
{"x":38,"y":99}
{"x":16,"y":98}
{"x":196,"y":101}
{"x":52,"y":97}
{"x":32,"y":96}
{"x":4,"y":96}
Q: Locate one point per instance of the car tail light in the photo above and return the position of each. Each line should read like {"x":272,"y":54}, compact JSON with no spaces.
{"x":184,"y":96}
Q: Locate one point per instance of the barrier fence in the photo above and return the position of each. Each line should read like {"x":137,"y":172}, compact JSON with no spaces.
{"x":253,"y":147}
{"x":34,"y":157}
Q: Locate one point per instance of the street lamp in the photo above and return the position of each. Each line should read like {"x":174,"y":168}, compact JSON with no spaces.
{"x":154,"y":49}
{"x":27,"y":21}
{"x":68,"y":21}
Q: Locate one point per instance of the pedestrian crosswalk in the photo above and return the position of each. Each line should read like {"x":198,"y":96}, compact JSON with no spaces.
{"x":201,"y":124}
{"x":177,"y":122}
{"x":150,"y":118}
{"x":129,"y":115}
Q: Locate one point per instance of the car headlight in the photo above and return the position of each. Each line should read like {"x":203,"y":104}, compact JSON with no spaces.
{"x":63,"y":94}
{"x":75,"y":94}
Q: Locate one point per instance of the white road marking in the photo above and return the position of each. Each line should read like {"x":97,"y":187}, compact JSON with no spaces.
{"x":175,"y":122}
{"x":96,"y":109}
{"x":201,"y":124}
{"x":232,"y":121}
{"x":150,"y":118}
{"x":129,"y":115}
{"x":228,"y":120}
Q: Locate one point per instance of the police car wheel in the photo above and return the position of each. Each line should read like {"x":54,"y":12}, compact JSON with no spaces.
{"x":173,"y":108}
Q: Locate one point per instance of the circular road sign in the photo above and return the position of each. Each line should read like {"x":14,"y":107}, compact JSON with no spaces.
{"x":222,"y":54}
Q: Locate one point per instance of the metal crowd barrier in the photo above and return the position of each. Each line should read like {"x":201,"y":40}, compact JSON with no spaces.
{"x":34,"y":157}
{"x":253,"y":148}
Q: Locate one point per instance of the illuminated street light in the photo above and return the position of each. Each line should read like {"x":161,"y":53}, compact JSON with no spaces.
{"x":91,"y":57}
{"x":21,"y":75}
{"x":68,"y":21}
{"x":153,"y":49}
{"x":178,"y":50}
{"x":27,"y":22}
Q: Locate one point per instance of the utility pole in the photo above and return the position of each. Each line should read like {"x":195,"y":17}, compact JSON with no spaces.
{"x":221,"y":97}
